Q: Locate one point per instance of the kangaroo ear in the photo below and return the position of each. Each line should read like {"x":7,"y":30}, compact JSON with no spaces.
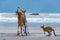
{"x":23,"y":10}
{"x":17,"y":11}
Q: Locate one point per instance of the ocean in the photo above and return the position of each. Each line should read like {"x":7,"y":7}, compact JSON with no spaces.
{"x":50,"y":19}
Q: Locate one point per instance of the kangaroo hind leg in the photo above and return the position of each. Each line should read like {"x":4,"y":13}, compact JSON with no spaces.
{"x":49,"y":33}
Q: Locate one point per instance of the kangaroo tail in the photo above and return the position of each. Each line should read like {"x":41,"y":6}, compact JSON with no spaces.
{"x":54,"y":32}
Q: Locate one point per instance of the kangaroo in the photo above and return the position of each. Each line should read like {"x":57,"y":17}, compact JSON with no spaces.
{"x":48,"y":29}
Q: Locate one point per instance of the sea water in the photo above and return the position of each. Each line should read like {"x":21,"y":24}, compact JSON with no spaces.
{"x":35,"y":21}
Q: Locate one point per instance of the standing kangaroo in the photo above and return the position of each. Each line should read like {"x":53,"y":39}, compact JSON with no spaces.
{"x":48,"y":29}
{"x":21,"y":21}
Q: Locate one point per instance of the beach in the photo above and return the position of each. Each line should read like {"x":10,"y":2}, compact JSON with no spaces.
{"x":13,"y":36}
{"x":40,"y":19}
{"x":34,"y":34}
{"x":9,"y":27}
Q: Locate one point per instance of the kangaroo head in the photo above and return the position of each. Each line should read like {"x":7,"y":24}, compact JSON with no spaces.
{"x":42,"y":26}
{"x":23,"y":10}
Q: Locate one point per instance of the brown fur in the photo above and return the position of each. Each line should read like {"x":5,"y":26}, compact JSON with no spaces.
{"x":21,"y":20}
{"x":48,"y":29}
